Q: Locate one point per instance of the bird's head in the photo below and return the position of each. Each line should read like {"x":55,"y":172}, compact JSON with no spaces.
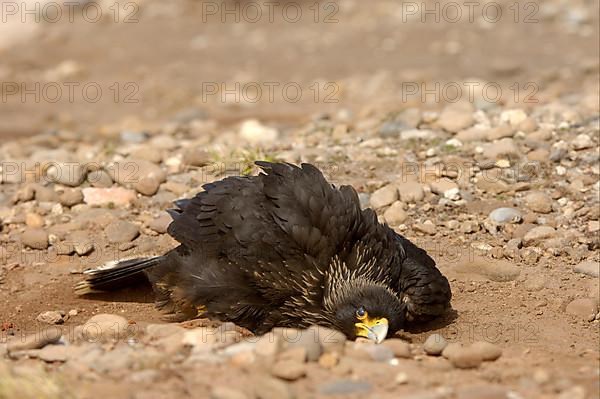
{"x":365,"y":309}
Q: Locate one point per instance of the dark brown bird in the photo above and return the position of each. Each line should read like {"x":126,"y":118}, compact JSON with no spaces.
{"x":285,"y":248}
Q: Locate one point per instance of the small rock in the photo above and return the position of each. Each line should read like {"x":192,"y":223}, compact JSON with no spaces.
{"x":537,"y":234}
{"x":271,"y":388}
{"x":329,"y":360}
{"x":130,"y":172}
{"x":196,"y":156}
{"x":462,"y":357}
{"x":411,"y":192}
{"x":51,"y":317}
{"x":486,"y":350}
{"x":117,"y":196}
{"x":539,"y":202}
{"x":255,"y":132}
{"x":435,"y":344}
{"x":223,"y":392}
{"x":54,"y":353}
{"x":401,"y":378}
{"x":505,"y":215}
{"x":330,"y":341}
{"x":426,"y":227}
{"x":161,"y":223}
{"x":446,"y":188}
{"x":289,"y":370}
{"x":504,"y":148}
{"x":103,"y":327}
{"x":269,"y":345}
{"x":500,"y":132}
{"x":99,"y":178}
{"x":582,"y":142}
{"x":309,"y":340}
{"x":147,"y":185}
{"x":456,"y":117}
{"x":589,"y":267}
{"x":585,"y":308}
{"x":71,"y":196}
{"x":384,"y":196}
{"x":35,"y":238}
{"x":34,"y":220}
{"x":34,"y":341}
{"x":369,"y":350}
{"x":513,"y":117}
{"x":417,"y":134}
{"x":121,"y":231}
{"x":395,"y":214}
{"x":400,"y":348}
{"x":345,"y":387}
{"x":66,"y":173}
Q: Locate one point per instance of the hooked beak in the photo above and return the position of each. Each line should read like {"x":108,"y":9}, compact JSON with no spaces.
{"x":373,"y":329}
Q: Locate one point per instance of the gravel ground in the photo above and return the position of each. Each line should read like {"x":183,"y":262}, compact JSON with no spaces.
{"x":505,"y":195}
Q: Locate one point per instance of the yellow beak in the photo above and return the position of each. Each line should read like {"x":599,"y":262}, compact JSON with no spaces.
{"x":374,"y":329}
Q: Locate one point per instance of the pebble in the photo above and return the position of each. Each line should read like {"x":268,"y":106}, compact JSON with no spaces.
{"x":586,"y":308}
{"x":289,"y":370}
{"x":384,"y":196}
{"x":121,"y":231}
{"x":54,"y":353}
{"x":331,"y":341}
{"x":223,"y":392}
{"x":503,"y":148}
{"x":34,"y":220}
{"x":395,"y":214}
{"x":399,"y":348}
{"x":69,"y":174}
{"x":136,"y":172}
{"x":256,"y":133}
{"x":71,"y":196}
{"x":537,"y":234}
{"x":446,"y":188}
{"x":426,"y":227}
{"x":103,"y":327}
{"x":329,"y":360}
{"x":99,"y":178}
{"x":35,"y":238}
{"x":581,"y":142}
{"x":411,"y":192}
{"x":435,"y":344}
{"x":486,"y":350}
{"x":505,"y":215}
{"x":197,"y":157}
{"x":117,"y":196}
{"x":539,"y":202}
{"x":147,"y":185}
{"x":462,"y":357}
{"x":417,"y":134}
{"x":51,"y":317}
{"x":271,"y":388}
{"x":34,"y":341}
{"x":269,"y":345}
{"x":309,"y":340}
{"x":588,"y":267}
{"x":456,"y":117}
{"x":161,"y":223}
{"x":514,"y":117}
{"x":369,"y":350}
{"x":344,"y":387}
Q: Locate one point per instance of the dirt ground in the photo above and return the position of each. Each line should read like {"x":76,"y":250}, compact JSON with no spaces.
{"x":162,"y":77}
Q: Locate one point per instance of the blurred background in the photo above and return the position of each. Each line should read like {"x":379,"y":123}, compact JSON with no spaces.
{"x":105,"y":66}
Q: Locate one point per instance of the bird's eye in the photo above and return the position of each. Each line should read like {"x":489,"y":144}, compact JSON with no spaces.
{"x":361,"y":313}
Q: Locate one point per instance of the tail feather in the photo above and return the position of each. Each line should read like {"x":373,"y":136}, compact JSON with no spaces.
{"x":113,"y":276}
